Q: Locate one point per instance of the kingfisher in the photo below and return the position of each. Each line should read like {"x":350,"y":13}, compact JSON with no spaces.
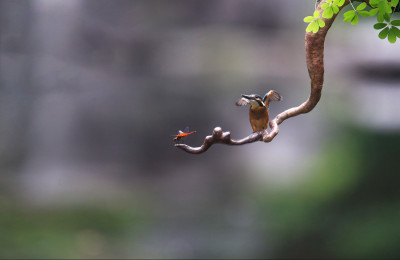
{"x":258,"y":112}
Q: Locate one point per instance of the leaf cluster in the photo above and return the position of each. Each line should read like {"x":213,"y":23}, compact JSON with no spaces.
{"x":352,"y":15}
{"x":389,"y":31}
{"x":383,"y":9}
{"x":389,"y":27}
{"x":330,"y":8}
{"x":314,"y":22}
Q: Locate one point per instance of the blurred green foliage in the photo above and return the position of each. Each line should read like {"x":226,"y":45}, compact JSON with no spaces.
{"x":348,"y":206}
{"x":67,"y":232}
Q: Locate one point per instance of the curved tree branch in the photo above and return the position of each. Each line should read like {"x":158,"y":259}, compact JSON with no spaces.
{"x":218,"y":136}
{"x":314,"y":44}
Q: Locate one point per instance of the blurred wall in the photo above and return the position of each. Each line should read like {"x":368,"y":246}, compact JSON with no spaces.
{"x":91,"y":92}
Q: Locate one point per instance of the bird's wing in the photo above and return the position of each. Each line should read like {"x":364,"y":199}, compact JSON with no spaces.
{"x":242,"y":102}
{"x":272,"y":95}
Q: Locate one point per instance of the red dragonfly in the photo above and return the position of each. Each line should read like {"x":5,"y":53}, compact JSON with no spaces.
{"x":182,"y":134}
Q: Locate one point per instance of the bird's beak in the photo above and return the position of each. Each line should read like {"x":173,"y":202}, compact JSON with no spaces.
{"x":247,"y":97}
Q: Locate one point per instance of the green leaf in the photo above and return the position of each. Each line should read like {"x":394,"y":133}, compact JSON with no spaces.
{"x":329,"y":1}
{"x":348,"y":18}
{"x":308,"y":19}
{"x":391,"y":36}
{"x":373,"y":3}
{"x":349,"y":13}
{"x":328,"y":13}
{"x":381,"y":7}
{"x":340,"y":2}
{"x":386,"y":17}
{"x":335,"y":9}
{"x":383,"y":34}
{"x":394,"y":3}
{"x":361,"y":6}
{"x":396,"y":31}
{"x":316,"y":14}
{"x":313,"y":27}
{"x":388,"y":9}
{"x":354,"y":21}
{"x":321,"y":23}
{"x":379,"y":26}
{"x":395,"y":22}
{"x":310,"y":27}
{"x":373,"y":12}
{"x":316,"y":27}
{"x":364,"y":13}
{"x":324,"y":6}
{"x":380,"y":18}
{"x":384,"y":7}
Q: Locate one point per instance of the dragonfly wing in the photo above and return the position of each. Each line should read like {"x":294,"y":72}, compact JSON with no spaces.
{"x":186,"y":130}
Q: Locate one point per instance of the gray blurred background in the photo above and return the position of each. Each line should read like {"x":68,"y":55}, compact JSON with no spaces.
{"x":92,"y":90}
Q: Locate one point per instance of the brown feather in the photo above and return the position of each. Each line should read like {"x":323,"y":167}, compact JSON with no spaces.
{"x":259,"y":118}
{"x":272,"y":95}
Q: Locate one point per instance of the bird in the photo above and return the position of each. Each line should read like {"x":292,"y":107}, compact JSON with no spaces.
{"x":258,"y":112}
